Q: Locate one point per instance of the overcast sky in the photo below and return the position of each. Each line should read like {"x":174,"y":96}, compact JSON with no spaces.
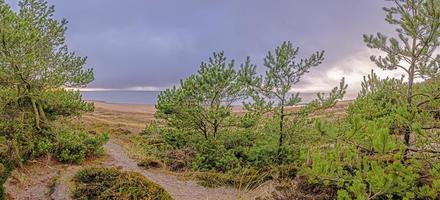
{"x":134,"y":44}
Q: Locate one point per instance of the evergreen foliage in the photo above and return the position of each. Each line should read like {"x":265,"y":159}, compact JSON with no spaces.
{"x":35,"y":68}
{"x":245,"y":140}
{"x":272,"y":93}
{"x":417,"y":25}
{"x":203,"y":102}
{"x":386,"y":148}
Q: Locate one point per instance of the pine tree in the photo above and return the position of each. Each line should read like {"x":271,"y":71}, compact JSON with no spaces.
{"x":34,"y":58}
{"x":272,"y":93}
{"x":413,"y":51}
{"x":203,"y":102}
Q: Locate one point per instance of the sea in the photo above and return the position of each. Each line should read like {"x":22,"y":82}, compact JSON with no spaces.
{"x":122,"y":97}
{"x":145,"y":97}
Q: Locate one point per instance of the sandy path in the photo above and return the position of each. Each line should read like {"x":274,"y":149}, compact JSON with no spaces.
{"x":178,"y":189}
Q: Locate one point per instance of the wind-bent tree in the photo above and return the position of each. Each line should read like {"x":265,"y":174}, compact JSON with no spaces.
{"x":35,"y":62}
{"x":203,"y":102}
{"x":273,"y":92}
{"x":413,"y":50}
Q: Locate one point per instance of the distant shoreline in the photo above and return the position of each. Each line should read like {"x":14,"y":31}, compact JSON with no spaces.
{"x":101,"y":102}
{"x":117,"y":103}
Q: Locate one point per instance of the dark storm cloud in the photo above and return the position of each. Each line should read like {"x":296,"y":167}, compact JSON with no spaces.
{"x":134,"y":43}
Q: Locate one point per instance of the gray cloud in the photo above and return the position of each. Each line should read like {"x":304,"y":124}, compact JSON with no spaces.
{"x":135,"y":44}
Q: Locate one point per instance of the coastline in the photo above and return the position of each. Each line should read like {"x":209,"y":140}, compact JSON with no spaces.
{"x":150,"y":109}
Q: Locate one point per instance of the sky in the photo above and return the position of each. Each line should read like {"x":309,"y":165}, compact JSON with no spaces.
{"x":151,"y":45}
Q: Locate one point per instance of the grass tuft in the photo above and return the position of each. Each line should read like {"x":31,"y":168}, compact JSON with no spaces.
{"x":111,"y":183}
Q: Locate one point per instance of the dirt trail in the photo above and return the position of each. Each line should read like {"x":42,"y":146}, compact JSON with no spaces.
{"x":178,"y":189}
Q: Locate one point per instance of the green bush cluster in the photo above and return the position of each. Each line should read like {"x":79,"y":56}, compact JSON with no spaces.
{"x":75,"y":146}
{"x":110,"y":183}
{"x":65,"y":144}
{"x":366,"y":157}
{"x":235,"y":151}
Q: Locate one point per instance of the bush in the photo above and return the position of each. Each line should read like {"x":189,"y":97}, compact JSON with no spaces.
{"x":75,"y":146}
{"x":180,"y":160}
{"x":44,"y":146}
{"x":212,"y":155}
{"x":365,"y":156}
{"x":175,"y":138}
{"x":110,"y":183}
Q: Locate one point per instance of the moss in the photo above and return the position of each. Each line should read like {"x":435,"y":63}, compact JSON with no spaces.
{"x":111,"y":183}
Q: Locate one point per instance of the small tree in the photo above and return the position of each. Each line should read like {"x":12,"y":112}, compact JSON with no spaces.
{"x":272,"y":93}
{"x":34,"y":59}
{"x":204,"y":101}
{"x":413,"y":51}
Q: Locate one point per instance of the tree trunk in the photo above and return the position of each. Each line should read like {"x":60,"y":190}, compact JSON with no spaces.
{"x":215,"y":128}
{"x":281,"y":139}
{"x":205,"y":133}
{"x":42,"y":113}
{"x":407,"y":129}
{"x":37,"y":115}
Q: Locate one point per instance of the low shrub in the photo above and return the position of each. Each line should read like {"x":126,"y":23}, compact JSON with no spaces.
{"x":44,"y":146}
{"x":110,"y":183}
{"x":75,"y":146}
{"x":212,"y":155}
{"x":150,"y":162}
{"x":301,"y":188}
{"x":175,"y":138}
{"x":180,"y":160}
{"x":240,"y":178}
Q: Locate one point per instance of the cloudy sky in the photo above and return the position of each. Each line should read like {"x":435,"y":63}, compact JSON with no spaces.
{"x":146,"y":44}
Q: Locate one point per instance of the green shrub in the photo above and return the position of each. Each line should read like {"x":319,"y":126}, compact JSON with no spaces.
{"x":365,"y":156}
{"x":152,"y":128}
{"x":110,"y":183}
{"x":75,"y":146}
{"x":174,"y":137}
{"x":43,"y":146}
{"x":212,"y":155}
